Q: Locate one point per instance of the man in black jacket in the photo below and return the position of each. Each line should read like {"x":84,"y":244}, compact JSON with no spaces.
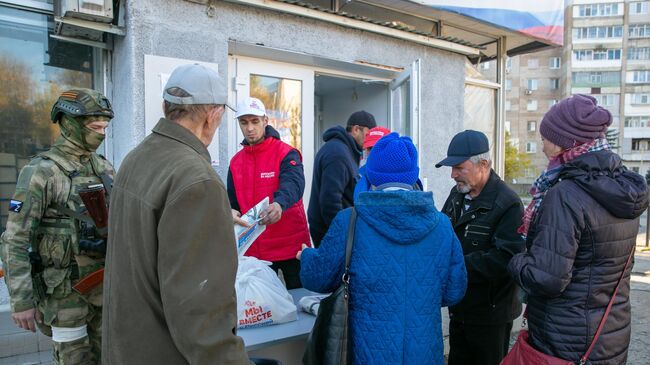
{"x":336,"y":169}
{"x":485,"y":214}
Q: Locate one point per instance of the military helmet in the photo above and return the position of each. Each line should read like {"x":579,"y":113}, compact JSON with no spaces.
{"x":81,"y":103}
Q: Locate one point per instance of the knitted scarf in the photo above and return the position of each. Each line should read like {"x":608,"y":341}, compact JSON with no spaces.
{"x":549,"y":177}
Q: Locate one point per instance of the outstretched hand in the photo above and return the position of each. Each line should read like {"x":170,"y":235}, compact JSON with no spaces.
{"x":236,"y":217}
{"x":271,"y":214}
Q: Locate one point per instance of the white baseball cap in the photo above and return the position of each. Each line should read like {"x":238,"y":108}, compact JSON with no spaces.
{"x":250,"y":106}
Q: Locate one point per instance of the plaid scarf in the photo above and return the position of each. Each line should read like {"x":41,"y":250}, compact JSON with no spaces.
{"x":549,"y":177}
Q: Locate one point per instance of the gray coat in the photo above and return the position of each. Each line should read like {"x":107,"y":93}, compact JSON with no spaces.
{"x":171,"y":260}
{"x":579,"y":243}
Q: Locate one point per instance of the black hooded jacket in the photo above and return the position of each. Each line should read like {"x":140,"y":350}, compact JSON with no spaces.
{"x":336,"y":169}
{"x":578,"y":244}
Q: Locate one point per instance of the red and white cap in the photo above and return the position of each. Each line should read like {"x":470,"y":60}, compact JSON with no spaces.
{"x":250,"y":106}
{"x":374,"y":135}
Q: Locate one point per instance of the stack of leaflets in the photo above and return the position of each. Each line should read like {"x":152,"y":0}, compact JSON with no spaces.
{"x":247,"y":235}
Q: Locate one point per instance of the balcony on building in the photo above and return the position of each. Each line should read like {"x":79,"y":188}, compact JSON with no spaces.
{"x":598,"y":11}
{"x":601,"y":58}
{"x":639,"y":11}
{"x":596,"y":82}
{"x":637,"y":127}
{"x":637,"y":103}
{"x":636,"y":148}
{"x":639,"y":31}
{"x":638,"y":55}
{"x":598,"y":34}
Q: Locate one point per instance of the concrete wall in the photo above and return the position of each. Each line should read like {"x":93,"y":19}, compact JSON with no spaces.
{"x":175,"y":28}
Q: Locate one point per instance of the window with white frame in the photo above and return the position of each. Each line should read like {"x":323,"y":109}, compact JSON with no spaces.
{"x":508,"y":84}
{"x":554,"y":62}
{"x":637,"y":122}
{"x":640,"y":99}
{"x":595,"y":55}
{"x":583,"y":55}
{"x":508,"y":105}
{"x":554,"y":83}
{"x":640,"y":7}
{"x":597,"y":32}
{"x":532,"y":84}
{"x":532,"y":126}
{"x":640,"y":76}
{"x":531,"y":147}
{"x":639,"y":31}
{"x":593,"y":79}
{"x":485,"y":65}
{"x":531,"y":105}
{"x":609,"y":9}
{"x":605,"y":99}
{"x":596,"y":77}
{"x":640,"y":144}
{"x":507,"y":126}
{"x":508,"y":64}
{"x":552,"y":102}
{"x":641,"y":53}
{"x":533,"y":63}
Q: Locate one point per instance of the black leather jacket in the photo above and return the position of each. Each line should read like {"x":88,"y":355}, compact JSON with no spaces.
{"x":488,"y":233}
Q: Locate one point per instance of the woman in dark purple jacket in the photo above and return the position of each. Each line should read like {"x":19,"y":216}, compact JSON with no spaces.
{"x":581,"y":227}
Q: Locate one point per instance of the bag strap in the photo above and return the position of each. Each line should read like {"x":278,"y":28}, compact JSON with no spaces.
{"x":348,"y":247}
{"x":583,"y":359}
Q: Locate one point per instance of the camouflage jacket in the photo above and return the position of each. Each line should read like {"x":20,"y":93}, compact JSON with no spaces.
{"x":50,"y":180}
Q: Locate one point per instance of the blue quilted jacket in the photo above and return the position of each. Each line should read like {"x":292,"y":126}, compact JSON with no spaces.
{"x":406,"y":263}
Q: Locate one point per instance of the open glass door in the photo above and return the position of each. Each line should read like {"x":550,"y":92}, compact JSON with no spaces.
{"x":405,"y":103}
{"x":287,"y":92}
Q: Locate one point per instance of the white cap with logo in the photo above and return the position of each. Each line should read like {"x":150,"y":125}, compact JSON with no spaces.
{"x":250,"y":106}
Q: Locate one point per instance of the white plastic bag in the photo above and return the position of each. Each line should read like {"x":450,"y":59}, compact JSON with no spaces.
{"x":262,"y":299}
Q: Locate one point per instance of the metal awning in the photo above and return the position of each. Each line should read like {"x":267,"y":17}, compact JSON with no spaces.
{"x":470,"y":29}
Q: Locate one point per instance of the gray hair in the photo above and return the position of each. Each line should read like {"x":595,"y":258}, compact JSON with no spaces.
{"x":483,"y":156}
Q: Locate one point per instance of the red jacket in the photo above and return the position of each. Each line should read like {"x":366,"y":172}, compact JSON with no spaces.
{"x":255,"y":173}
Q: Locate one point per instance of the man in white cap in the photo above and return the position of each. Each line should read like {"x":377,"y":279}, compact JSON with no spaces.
{"x":171,"y":261}
{"x":268,"y":167}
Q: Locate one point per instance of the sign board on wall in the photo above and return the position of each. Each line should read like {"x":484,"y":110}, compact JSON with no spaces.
{"x":156,"y":73}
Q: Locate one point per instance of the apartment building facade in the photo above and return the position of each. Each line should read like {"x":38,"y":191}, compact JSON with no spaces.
{"x":533,"y":85}
{"x":607,"y":53}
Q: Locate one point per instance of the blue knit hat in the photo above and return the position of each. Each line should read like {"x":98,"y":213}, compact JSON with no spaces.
{"x":393,"y":159}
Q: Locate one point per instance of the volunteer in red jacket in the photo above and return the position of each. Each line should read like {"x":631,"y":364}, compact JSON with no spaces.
{"x":266,"y":166}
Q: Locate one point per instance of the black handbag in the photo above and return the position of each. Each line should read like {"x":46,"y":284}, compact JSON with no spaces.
{"x":329,"y":342}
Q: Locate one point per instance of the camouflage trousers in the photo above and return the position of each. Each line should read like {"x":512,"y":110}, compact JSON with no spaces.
{"x":75,"y":311}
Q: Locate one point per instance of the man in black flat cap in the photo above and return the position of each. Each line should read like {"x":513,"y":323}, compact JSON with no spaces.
{"x":336,"y":169}
{"x":485,"y":214}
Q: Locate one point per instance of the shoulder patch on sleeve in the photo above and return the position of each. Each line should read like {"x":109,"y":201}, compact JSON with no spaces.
{"x":15,"y":206}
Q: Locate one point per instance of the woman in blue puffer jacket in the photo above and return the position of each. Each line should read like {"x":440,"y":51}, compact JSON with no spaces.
{"x":406,"y":263}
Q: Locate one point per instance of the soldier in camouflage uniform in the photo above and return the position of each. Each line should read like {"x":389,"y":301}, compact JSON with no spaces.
{"x":50,"y":244}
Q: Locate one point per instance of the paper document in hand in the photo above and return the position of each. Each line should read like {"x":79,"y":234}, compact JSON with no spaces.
{"x":247,"y":235}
